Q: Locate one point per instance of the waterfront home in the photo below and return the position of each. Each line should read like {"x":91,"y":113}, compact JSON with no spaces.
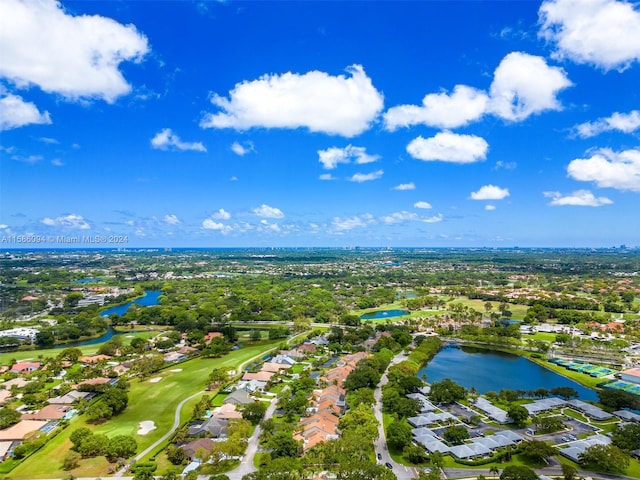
{"x":493,"y":412}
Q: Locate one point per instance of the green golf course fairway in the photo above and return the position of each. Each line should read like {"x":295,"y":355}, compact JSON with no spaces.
{"x":154,"y":401}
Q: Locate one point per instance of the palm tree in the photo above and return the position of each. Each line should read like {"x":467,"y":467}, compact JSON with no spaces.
{"x":494,"y":471}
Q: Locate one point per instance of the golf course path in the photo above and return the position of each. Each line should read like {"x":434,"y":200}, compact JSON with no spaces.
{"x":176,"y":424}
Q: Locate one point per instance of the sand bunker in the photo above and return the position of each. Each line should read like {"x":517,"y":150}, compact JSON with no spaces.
{"x":176,"y":370}
{"x":155,"y":380}
{"x":146,"y":426}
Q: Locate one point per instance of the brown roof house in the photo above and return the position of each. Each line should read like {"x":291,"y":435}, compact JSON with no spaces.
{"x":191,"y":448}
{"x":50,"y":412}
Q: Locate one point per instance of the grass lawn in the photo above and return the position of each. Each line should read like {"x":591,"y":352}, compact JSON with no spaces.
{"x":543,"y":336}
{"x":147,"y":401}
{"x":518,"y":311}
{"x":218,"y":399}
{"x":569,"y":412}
{"x":298,"y":368}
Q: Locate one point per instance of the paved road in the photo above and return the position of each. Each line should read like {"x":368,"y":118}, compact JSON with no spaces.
{"x":401,"y":472}
{"x":246,"y":465}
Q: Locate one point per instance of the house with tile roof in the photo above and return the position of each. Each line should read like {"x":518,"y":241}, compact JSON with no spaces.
{"x":21,"y":429}
{"x":50,"y":412}
{"x":25,"y":367}
{"x":261,"y":376}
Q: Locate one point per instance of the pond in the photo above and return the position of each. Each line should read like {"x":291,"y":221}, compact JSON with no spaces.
{"x":150,"y":298}
{"x":487,"y":370}
{"x":383,"y":314}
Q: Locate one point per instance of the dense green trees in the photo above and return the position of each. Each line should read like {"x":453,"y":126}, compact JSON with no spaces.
{"x":608,"y":458}
{"x":518,"y":414}
{"x":626,"y":437}
{"x":446,"y":391}
{"x":618,"y":399}
{"x":518,"y":472}
{"x":113,"y":401}
{"x":537,"y":450}
{"x":8,"y":417}
{"x":254,"y":412}
{"x":399,"y":434}
{"x":120,"y":446}
{"x":455,"y":434}
{"x":361,"y":422}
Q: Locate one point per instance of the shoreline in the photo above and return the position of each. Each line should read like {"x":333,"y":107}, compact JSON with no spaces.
{"x":574,"y":376}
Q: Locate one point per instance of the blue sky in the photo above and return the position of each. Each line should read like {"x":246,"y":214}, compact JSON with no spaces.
{"x":320,"y":123}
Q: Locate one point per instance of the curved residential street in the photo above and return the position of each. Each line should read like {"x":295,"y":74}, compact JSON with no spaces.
{"x":400,"y":471}
{"x":246,"y":465}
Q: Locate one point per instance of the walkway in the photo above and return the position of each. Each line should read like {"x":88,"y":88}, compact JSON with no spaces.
{"x":176,"y":424}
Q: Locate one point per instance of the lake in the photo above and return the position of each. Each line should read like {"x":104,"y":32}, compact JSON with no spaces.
{"x":487,"y":370}
{"x":150,"y":298}
{"x":383,"y":314}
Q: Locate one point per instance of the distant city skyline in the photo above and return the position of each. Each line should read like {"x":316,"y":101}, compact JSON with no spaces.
{"x":321,"y":124}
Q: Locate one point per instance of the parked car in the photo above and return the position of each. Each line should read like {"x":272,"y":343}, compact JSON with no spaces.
{"x":379,"y":456}
{"x":389,"y":466}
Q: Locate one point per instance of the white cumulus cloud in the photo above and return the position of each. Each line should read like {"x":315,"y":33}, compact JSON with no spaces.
{"x":71,"y":221}
{"x":357,"y":221}
{"x":619,"y":170}
{"x":422,"y":204}
{"x":15,"y":112}
{"x":336,"y":105}
{"x":442,"y":110}
{"x":167,"y":140}
{"x":210,"y":224}
{"x":524,"y":85}
{"x":74,"y":56}
{"x":241,"y":150}
{"x":326,"y":176}
{"x":490,"y":192}
{"x":490,"y":207}
{"x":265,"y":211}
{"x":624,"y":122}
{"x":221,"y":214}
{"x":579,"y":198}
{"x":366,"y":177}
{"x":405,"y":186}
{"x":172,"y":219}
{"x":603,"y":33}
{"x":331,"y":157}
{"x":449,"y":147}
